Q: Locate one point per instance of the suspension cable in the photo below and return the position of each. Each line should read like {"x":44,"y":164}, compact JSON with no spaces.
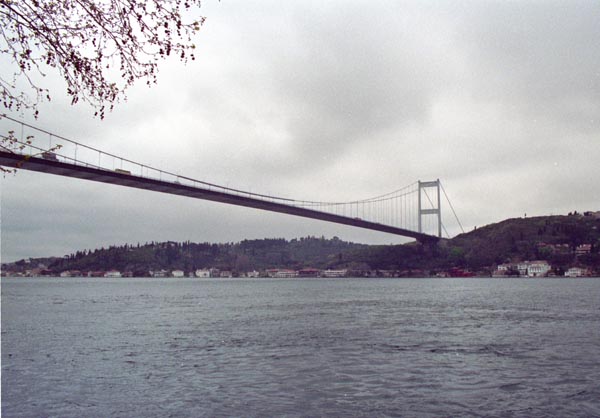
{"x":294,"y":202}
{"x":451,"y":207}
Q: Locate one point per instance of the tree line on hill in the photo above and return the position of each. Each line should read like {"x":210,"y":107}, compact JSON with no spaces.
{"x":551,"y":238}
{"x":247,"y":255}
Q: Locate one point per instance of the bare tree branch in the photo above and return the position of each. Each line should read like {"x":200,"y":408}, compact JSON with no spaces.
{"x":99,"y":47}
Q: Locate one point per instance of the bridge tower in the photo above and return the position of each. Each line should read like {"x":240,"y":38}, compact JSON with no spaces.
{"x":436,"y":208}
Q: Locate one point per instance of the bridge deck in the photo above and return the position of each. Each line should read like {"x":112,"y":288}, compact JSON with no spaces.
{"x":112,"y":177}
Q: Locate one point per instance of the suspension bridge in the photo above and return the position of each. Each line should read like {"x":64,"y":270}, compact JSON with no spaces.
{"x":413,"y":211}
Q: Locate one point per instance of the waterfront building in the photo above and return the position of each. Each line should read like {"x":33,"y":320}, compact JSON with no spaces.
{"x":334,"y":273}
{"x":113,"y":274}
{"x":177,"y":273}
{"x":522,"y":268}
{"x":203,"y":273}
{"x":225,"y":274}
{"x":281,"y":273}
{"x":504,"y":267}
{"x":253,"y":274}
{"x":309,"y":272}
{"x":507,"y":270}
{"x":285,"y":274}
{"x":499,"y":273}
{"x":65,"y":273}
{"x":538,"y":268}
{"x":577,"y":272}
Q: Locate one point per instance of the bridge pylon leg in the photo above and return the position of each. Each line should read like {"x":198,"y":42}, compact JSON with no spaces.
{"x":436,"y":207}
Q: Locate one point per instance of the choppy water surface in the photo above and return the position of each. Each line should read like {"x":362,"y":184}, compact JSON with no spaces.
{"x":346,"y":347}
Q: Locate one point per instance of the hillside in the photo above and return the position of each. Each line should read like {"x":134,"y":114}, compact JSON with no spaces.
{"x":246,"y":255}
{"x":552,"y":238}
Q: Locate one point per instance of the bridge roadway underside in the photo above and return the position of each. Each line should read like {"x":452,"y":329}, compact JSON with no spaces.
{"x":106,"y":176}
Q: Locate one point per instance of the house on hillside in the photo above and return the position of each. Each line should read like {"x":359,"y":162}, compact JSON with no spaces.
{"x":583,"y":249}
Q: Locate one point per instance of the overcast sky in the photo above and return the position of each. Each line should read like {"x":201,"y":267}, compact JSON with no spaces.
{"x":337,"y":100}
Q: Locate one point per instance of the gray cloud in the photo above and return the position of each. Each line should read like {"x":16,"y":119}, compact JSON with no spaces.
{"x":338,"y":101}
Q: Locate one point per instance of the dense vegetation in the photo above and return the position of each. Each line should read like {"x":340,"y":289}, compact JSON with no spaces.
{"x":551,"y":238}
{"x":240,"y":257}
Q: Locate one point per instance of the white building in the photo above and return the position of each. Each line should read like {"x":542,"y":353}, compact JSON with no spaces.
{"x":177,"y":273}
{"x":538,"y":268}
{"x":113,"y":273}
{"x":576,"y":272}
{"x":522,"y":267}
{"x":285,"y":274}
{"x":503,"y":267}
{"x":203,"y":273}
{"x":65,"y":273}
{"x":281,"y":273}
{"x":334,"y":273}
{"x":252,"y":274}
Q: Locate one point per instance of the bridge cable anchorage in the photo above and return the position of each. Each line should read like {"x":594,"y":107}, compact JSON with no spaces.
{"x":451,"y":207}
{"x":381,"y":212}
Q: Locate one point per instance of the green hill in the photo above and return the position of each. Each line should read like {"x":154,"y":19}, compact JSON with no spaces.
{"x":551,"y":238}
{"x":244,"y":256}
{"x":557,"y":239}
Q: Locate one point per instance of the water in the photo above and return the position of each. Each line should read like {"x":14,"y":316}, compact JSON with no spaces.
{"x":342,"y":347}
